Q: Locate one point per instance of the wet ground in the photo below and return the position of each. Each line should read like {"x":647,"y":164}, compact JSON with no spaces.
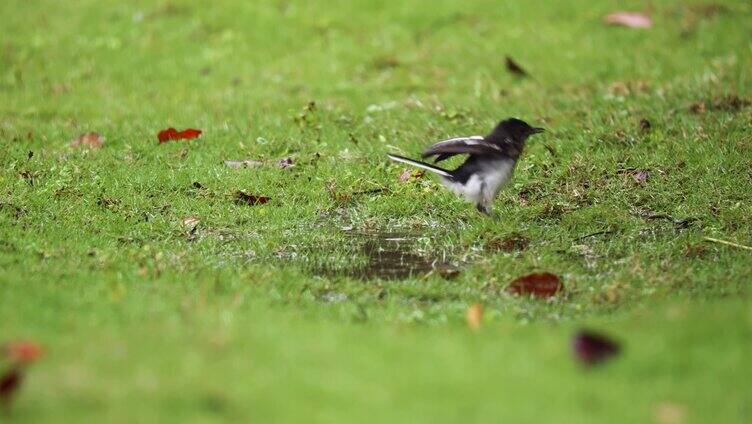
{"x":389,"y":256}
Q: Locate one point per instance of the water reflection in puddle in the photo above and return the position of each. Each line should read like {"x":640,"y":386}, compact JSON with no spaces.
{"x":389,"y":256}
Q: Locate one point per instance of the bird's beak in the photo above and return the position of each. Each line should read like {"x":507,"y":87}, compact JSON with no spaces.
{"x":538,"y":130}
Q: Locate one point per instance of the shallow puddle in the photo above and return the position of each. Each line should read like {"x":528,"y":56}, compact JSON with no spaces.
{"x":387,"y":255}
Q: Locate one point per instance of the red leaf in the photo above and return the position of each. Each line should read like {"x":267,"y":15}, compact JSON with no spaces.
{"x":243,"y":198}
{"x":22,"y":352}
{"x":9,"y":384}
{"x":593,"y":348}
{"x":537,"y":285}
{"x":629,"y":19}
{"x":173,"y":134}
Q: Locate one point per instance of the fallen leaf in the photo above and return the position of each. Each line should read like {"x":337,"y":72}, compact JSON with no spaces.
{"x":404,"y":176}
{"x":697,"y":108}
{"x":539,"y":285}
{"x":514,"y":67}
{"x":512,"y":243}
{"x":640,"y":176}
{"x":285,"y":163}
{"x":22,"y":352}
{"x":9,"y":384}
{"x":619,"y":88}
{"x":669,"y":413}
{"x":645,"y":125}
{"x":408,"y":174}
{"x":448,"y":272}
{"x":385,"y":62}
{"x":731,"y":103}
{"x":243,"y":198}
{"x":190,"y":221}
{"x":629,"y":19}
{"x":248,"y":163}
{"x":90,"y":140}
{"x":592,"y":348}
{"x":173,"y":134}
{"x":107,"y":202}
{"x":695,"y":251}
{"x":474,"y":316}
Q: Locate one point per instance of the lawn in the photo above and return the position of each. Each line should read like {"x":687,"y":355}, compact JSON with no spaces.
{"x":159,"y":295}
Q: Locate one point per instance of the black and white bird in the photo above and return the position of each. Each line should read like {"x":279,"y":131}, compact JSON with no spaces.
{"x":489,"y":166}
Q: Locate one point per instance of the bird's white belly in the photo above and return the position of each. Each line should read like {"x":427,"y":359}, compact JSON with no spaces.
{"x":497,"y":177}
{"x":483,"y":187}
{"x":472,"y":190}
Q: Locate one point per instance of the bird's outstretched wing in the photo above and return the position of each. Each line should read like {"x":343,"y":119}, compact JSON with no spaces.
{"x":475,"y":144}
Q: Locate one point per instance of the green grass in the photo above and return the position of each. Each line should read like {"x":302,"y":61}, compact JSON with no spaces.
{"x":145,"y":322}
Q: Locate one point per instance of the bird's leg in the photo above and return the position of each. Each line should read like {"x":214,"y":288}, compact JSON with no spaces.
{"x":484,"y":209}
{"x":484,"y":206}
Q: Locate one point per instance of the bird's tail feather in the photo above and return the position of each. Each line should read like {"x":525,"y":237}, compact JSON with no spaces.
{"x":419,"y":164}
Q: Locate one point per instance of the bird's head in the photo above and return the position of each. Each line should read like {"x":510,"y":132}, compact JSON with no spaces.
{"x":512,"y":133}
{"x":516,"y":130}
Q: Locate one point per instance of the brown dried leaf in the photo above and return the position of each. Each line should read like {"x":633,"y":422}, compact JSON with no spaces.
{"x":9,"y":384}
{"x":645,"y":125}
{"x":541,"y":285}
{"x":512,"y":243}
{"x":628,"y":19}
{"x":640,"y":176}
{"x":190,"y":221}
{"x":730,"y":103}
{"x":386,"y":62}
{"x":695,"y":251}
{"x":448,"y":272}
{"x":619,"y":88}
{"x":408,"y":174}
{"x":404,"y":176}
{"x":89,"y":140}
{"x":243,"y":198}
{"x":697,"y":108}
{"x":474,"y":316}
{"x":514,"y":67}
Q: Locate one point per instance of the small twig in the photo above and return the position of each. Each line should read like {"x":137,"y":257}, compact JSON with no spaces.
{"x":371,"y":191}
{"x":597,"y":233}
{"x":550,"y":149}
{"x":727,"y":243}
